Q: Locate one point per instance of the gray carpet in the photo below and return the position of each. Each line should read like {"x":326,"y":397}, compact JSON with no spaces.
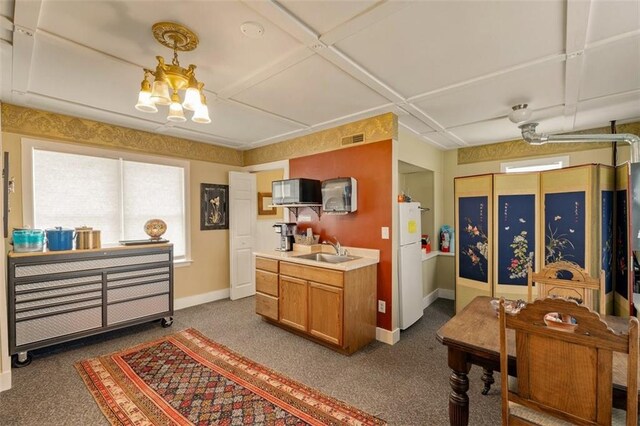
{"x":404,"y":384}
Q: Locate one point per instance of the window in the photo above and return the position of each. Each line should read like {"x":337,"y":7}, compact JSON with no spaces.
{"x":114,"y":192}
{"x":535,"y":165}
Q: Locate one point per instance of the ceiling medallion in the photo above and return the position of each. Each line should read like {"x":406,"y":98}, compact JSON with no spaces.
{"x":173,"y":76}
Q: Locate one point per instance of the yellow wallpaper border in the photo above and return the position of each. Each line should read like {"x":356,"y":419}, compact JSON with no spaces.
{"x":43,"y":124}
{"x":519,"y":148}
{"x":375,"y":129}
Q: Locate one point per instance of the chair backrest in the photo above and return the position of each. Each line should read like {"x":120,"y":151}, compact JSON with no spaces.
{"x":568,"y":280}
{"x":565,"y":368}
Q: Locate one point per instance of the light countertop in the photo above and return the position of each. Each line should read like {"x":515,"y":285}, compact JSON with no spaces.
{"x":367,"y":257}
{"x":434,"y":253}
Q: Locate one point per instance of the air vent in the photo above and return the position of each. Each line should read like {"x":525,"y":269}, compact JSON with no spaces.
{"x":348,"y":140}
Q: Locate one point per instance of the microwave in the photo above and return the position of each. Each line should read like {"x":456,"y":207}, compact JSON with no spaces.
{"x":340,"y":195}
{"x":296,"y":191}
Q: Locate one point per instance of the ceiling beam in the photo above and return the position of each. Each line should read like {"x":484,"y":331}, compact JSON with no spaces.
{"x":575,"y":41}
{"x":25,"y":20}
{"x":375,"y":13}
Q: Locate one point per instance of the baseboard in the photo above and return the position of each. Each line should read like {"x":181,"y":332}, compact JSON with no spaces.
{"x":435,"y":294}
{"x":446,"y":294}
{"x":430,"y":298}
{"x":5,"y":380}
{"x":199,"y":299}
{"x":388,"y":337}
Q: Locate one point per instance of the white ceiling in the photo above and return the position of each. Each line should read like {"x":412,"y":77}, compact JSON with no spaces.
{"x":450,"y":70}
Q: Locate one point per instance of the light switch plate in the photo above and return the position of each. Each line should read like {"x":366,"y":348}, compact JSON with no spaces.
{"x":385,"y":232}
{"x":303,"y":218}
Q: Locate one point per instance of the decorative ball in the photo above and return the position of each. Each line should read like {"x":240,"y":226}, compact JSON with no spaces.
{"x":155,"y":228}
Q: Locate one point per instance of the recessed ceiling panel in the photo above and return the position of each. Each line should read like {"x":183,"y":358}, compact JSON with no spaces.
{"x":609,"y":18}
{"x":311,"y":92}
{"x":501,"y":129}
{"x":123,"y":29}
{"x":244,"y":124}
{"x":324,"y":16}
{"x":600,"y":112}
{"x":100,"y":90}
{"x":540,"y":86}
{"x":96,"y":80}
{"x":611,"y":69}
{"x":433,"y":44}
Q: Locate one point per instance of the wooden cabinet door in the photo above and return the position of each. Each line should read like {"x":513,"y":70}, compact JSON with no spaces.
{"x":293,"y":302}
{"x":325,"y":312}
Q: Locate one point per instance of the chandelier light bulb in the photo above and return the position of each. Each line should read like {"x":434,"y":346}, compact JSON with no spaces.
{"x":201,"y":115}
{"x":176,"y":114}
{"x":191,"y":99}
{"x":160,"y":93}
{"x":144,"y":97}
{"x":520,"y":113}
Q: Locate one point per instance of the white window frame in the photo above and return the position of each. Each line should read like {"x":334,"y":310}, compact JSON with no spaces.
{"x":29,"y":145}
{"x":535,"y":164}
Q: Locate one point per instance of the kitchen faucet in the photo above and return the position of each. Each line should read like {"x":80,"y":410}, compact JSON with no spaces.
{"x":339,"y":250}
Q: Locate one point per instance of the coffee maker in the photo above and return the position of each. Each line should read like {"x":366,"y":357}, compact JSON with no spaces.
{"x":286,"y":231}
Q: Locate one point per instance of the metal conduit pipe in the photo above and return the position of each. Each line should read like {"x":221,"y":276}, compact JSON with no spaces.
{"x":529,"y":135}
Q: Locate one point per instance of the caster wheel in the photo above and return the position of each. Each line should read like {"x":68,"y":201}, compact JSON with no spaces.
{"x":166,"y":322}
{"x":16,"y":363}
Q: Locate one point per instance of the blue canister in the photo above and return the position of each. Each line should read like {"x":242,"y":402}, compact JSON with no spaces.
{"x":28,"y":240}
{"x":59,"y":238}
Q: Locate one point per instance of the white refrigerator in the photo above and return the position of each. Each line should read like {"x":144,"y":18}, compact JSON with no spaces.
{"x":410,"y":264}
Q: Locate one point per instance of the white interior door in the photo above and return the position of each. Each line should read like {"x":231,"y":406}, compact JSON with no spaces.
{"x":243,"y":212}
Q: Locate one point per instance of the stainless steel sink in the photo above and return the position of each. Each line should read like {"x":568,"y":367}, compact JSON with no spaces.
{"x":327,"y":258}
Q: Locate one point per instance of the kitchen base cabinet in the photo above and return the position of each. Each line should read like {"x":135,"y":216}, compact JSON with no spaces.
{"x":333,"y":307}
{"x":59,"y":296}
{"x":325,"y":315}
{"x":293,"y":302}
{"x":267,"y":288}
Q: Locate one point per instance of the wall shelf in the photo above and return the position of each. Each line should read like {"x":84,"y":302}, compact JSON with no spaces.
{"x":294,"y":208}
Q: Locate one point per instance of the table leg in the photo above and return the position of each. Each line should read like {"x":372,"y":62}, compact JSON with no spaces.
{"x":458,"y":398}
{"x":487,"y":378}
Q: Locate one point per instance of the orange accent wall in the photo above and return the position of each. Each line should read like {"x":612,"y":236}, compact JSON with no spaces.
{"x":371,"y":165}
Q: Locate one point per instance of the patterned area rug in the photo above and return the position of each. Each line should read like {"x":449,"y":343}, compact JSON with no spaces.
{"x":185,"y":378}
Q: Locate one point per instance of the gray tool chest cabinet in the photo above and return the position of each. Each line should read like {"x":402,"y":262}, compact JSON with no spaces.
{"x":59,"y":296}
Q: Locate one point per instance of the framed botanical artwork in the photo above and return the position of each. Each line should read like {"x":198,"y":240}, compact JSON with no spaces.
{"x":214,"y":206}
{"x":264,"y":201}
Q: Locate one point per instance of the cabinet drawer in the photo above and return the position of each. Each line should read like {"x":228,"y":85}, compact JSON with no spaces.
{"x":35,"y":330}
{"x":267,"y":306}
{"x":125,"y":311}
{"x":267,"y":264}
{"x":310,"y":273}
{"x":136,"y":291}
{"x":267,"y":282}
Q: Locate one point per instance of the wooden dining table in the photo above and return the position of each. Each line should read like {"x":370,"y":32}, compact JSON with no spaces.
{"x":472,"y":337}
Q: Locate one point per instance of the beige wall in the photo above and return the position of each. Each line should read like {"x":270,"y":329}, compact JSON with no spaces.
{"x":416,"y":151}
{"x":209,"y":270}
{"x":419,"y":186}
{"x":263,"y":184}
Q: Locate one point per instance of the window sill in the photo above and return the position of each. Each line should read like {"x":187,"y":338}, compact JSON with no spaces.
{"x":182,"y":263}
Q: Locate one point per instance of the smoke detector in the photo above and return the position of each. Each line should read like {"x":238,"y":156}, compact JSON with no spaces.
{"x":252,"y":29}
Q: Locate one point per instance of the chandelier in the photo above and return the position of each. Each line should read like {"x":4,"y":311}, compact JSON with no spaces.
{"x":169,"y":79}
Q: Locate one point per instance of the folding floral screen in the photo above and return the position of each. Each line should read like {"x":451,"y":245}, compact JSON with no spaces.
{"x":496,"y":219}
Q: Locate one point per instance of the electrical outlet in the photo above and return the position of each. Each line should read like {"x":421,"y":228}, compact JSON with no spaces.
{"x":382,"y":306}
{"x":385,"y":232}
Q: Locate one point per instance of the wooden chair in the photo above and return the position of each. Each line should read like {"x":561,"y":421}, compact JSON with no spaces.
{"x":568,"y":280}
{"x":563,"y":374}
